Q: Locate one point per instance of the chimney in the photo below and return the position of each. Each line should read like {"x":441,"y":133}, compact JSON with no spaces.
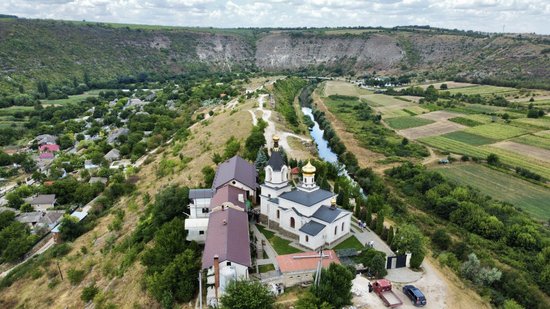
{"x":216,"y":274}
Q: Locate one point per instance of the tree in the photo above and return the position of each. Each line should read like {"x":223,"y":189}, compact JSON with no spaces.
{"x":209,"y":173}
{"x":217,"y":158}
{"x":70,"y":228}
{"x":247,"y":294}
{"x":493,"y":159}
{"x":335,"y":286}
{"x":309,"y":301}
{"x":379,"y":223}
{"x":232,"y":147}
{"x":443,"y":87}
{"x":511,"y":304}
{"x":169,"y":242}
{"x":390,"y":236}
{"x":404,"y":141}
{"x":261,"y":159}
{"x":409,"y":239}
{"x":441,"y":239}
{"x":471,"y":269}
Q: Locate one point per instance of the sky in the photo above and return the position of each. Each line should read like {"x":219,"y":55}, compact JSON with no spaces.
{"x":521,"y":16}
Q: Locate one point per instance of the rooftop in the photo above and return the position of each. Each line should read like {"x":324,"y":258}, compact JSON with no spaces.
{"x":228,"y":193}
{"x":307,"y":198}
{"x":306,"y":261}
{"x":227,"y":237}
{"x":276,"y":161}
{"x":201,"y":193}
{"x":43,"y":199}
{"x":312,"y":228}
{"x":327,"y":214}
{"x":237,"y":169}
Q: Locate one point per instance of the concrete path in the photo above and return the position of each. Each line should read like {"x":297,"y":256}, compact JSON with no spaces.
{"x":268,"y":249}
{"x":367,"y":235}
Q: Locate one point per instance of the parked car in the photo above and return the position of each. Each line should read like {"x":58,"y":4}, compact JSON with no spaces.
{"x":418,"y":299}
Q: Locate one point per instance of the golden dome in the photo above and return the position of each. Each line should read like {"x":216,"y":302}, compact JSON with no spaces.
{"x":333,"y":201}
{"x":275,"y":137}
{"x":308,"y":168}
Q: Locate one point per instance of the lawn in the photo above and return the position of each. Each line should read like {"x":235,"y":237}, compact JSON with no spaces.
{"x":528,"y":196}
{"x":469,"y":138}
{"x":350,"y":243}
{"x":281,"y":246}
{"x":497,"y":131}
{"x":400,"y":123}
{"x":72,"y":99}
{"x":534,"y":140}
{"x":266,"y":268}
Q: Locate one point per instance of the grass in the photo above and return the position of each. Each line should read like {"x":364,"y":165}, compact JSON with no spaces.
{"x":528,"y":196}
{"x":543,"y":123}
{"x":497,"y":131}
{"x":266,"y":268}
{"x":483,"y":90}
{"x":477,"y":109}
{"x":454,"y":146}
{"x":281,"y":246}
{"x":466,"y":121}
{"x":344,"y":88}
{"x":469,"y":138}
{"x":400,"y":123}
{"x":534,"y":140}
{"x":72,"y":99}
{"x":350,"y":243}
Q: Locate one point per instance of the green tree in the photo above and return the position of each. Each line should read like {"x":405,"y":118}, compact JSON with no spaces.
{"x":379,"y":223}
{"x":169,"y":242}
{"x":309,"y":301}
{"x":261,"y":159}
{"x":441,"y":239}
{"x":247,"y":294}
{"x":232,"y":147}
{"x":493,"y":159}
{"x":70,"y":228}
{"x":335,"y":286}
{"x":511,"y":304}
{"x":409,"y":239}
{"x":209,"y":173}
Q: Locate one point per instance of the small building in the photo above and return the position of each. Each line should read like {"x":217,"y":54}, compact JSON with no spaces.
{"x":120,"y":163}
{"x":228,"y":195}
{"x":89,"y":165}
{"x":42,"y":202}
{"x":48,"y":148}
{"x":46,"y":156}
{"x":300,"y":268}
{"x":102,"y":180}
{"x":79,"y":215}
{"x":239,"y":173}
{"x":199,"y":206}
{"x":112,"y":155}
{"x":44,"y":139}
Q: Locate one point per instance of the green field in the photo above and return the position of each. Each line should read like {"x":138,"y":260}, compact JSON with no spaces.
{"x":534,"y":140}
{"x":465,"y":121}
{"x":542,"y":123}
{"x":377,"y":100}
{"x":72,"y":99}
{"x":497,"y":131}
{"x":483,"y":89}
{"x":477,"y":109}
{"x":400,"y":123}
{"x":469,"y":138}
{"x":530,"y":197}
{"x":454,"y":146}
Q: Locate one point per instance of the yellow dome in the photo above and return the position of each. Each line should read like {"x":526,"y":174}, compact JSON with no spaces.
{"x":333,"y":201}
{"x":275,"y":137}
{"x":308,"y":168}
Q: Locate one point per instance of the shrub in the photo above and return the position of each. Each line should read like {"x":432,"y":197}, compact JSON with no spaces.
{"x":441,"y":239}
{"x":75,"y":276}
{"x":89,"y":292}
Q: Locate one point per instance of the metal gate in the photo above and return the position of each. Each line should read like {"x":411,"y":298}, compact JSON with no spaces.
{"x":397,"y":261}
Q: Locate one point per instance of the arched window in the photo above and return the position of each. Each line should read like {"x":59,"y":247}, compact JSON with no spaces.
{"x":268,"y":173}
{"x":278,"y":214}
{"x":335,"y":230}
{"x":343,"y":226}
{"x":292,"y":222}
{"x":307,"y":238}
{"x":284,"y":173}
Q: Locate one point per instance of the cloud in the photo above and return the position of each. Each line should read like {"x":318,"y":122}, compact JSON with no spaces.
{"x":482,"y":15}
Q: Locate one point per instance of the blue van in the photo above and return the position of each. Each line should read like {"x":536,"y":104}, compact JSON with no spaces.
{"x":418,"y":299}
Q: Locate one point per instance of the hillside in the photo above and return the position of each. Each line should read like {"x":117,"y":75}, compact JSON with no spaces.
{"x":58,"y":51}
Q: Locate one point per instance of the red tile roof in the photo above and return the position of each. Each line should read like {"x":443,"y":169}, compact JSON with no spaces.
{"x":49,"y":147}
{"x":227,"y":237}
{"x":305,"y":261}
{"x":46,"y":155}
{"x":228,"y":193}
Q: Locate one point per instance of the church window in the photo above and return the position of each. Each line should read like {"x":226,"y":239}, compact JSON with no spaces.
{"x":307,"y":238}
{"x":292,"y":222}
{"x":278,"y":214}
{"x":343,"y":226}
{"x":335,"y":230}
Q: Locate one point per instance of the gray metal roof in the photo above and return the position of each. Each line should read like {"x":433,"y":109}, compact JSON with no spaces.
{"x":237,"y":169}
{"x":312,"y":228}
{"x":327,"y":214}
{"x":201,"y":193}
{"x":43,"y":199}
{"x":307,"y":198}
{"x":276,"y":161}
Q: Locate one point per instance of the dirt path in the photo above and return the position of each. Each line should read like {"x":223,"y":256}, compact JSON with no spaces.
{"x":271,"y":130}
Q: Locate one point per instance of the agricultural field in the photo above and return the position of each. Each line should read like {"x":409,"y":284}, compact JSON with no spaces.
{"x":466,"y":121}
{"x":543,"y":123}
{"x":71,"y":99}
{"x":527,"y":150}
{"x":479,"y":109}
{"x":484,"y":90}
{"x":469,"y":138}
{"x":436,"y":128}
{"x":400,"y":123}
{"x":450,"y":85}
{"x":391,"y":107}
{"x":343,"y":88}
{"x":497,"y":131}
{"x":530,"y":197}
{"x":534,"y":140}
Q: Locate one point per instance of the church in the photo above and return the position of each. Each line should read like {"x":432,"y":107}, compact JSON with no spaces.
{"x":306,"y":211}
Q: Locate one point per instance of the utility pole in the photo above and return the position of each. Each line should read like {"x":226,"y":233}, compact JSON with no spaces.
{"x":59,"y":269}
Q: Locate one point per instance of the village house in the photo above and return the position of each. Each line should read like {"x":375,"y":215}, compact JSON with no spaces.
{"x":306,"y":212}
{"x":238,"y":173}
{"x":89,"y":165}
{"x":39,"y":220}
{"x":44,"y":139}
{"x":300,"y":267}
{"x":112,"y":155}
{"x":48,"y":148}
{"x":42,"y":202}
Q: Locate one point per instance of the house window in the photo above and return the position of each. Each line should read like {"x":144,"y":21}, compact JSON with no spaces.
{"x":201,"y":232}
{"x":307,"y":238}
{"x":205,"y":210}
{"x":335,"y":230}
{"x":228,"y":263}
{"x":292,"y":222}
{"x":278,"y":214}
{"x":343,"y":226}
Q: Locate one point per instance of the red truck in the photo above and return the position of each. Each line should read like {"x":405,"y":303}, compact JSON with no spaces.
{"x":382,"y":287}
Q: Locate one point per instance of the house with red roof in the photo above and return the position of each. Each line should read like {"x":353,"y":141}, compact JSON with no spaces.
{"x":300,"y":267}
{"x":48,"y":148}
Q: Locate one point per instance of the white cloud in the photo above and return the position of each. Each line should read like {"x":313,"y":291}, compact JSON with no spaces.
{"x":482,"y":15}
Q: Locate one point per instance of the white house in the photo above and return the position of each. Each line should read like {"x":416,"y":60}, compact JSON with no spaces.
{"x":307,"y":211}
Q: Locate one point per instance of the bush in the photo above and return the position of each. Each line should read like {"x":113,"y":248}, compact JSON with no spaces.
{"x":89,"y":292}
{"x":75,"y":276}
{"x":441,"y":239}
